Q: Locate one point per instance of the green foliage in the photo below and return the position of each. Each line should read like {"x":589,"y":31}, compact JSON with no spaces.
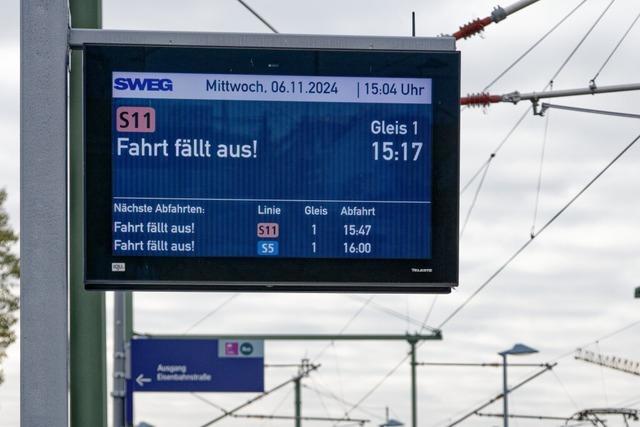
{"x":9,"y":273}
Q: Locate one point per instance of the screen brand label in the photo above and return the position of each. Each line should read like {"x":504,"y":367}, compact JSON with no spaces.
{"x":143,"y":84}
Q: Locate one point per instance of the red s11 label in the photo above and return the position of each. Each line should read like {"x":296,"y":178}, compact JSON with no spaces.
{"x":268,"y":229}
{"x":136,"y":119}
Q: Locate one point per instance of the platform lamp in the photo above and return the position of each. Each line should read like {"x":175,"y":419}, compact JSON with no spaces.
{"x":390,"y":422}
{"x":517,"y":350}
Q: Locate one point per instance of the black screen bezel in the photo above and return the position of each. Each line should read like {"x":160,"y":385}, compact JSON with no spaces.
{"x":436,"y":275}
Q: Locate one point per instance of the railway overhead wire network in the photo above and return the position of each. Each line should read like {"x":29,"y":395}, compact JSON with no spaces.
{"x":483,"y":169}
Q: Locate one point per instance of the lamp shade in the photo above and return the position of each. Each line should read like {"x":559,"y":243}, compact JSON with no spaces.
{"x":519,"y":349}
{"x":392,"y":423}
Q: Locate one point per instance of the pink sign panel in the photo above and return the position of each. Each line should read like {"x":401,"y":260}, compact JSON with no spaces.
{"x":136,"y":119}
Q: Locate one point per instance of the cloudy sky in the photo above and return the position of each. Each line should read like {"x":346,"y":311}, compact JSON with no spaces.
{"x":572,"y":287}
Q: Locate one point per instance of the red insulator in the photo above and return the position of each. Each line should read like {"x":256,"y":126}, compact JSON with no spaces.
{"x":480,"y":99}
{"x":472,"y":28}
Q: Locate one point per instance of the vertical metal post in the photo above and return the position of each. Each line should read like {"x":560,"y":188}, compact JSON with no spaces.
{"x":128,"y":335}
{"x":43,"y":213}
{"x":119,"y":381}
{"x":505,"y":392}
{"x":87,"y":358}
{"x":413,"y":24}
{"x":414,"y":386}
{"x":128,"y":315}
{"x":298,"y":402}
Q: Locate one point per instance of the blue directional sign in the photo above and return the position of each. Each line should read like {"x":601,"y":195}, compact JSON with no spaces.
{"x":190,"y":365}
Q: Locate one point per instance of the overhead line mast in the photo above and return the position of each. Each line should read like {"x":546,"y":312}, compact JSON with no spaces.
{"x":498,"y":14}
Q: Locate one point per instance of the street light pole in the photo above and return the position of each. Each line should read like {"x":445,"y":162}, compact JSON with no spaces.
{"x":414,"y":386}
{"x":516,"y":350}
{"x":505,"y":394}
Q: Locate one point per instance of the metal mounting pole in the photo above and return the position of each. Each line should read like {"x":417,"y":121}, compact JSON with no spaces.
{"x":119,"y":381}
{"x":298,"y":402}
{"x":87,"y":328}
{"x":505,"y":392}
{"x":414,"y":386}
{"x":43,"y":213}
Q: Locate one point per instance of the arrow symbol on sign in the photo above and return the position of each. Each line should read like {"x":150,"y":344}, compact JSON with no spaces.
{"x":141,"y":380}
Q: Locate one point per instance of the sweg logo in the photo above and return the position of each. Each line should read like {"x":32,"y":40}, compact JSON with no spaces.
{"x":124,"y":83}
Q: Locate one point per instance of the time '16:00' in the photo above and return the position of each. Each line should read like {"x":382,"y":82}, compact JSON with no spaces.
{"x":405,"y":151}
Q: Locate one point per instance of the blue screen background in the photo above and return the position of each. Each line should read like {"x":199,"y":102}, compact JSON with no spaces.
{"x":309,"y":154}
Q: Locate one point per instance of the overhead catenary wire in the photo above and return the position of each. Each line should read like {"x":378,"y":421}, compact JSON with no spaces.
{"x":501,"y":395}
{"x":428,"y":315}
{"x":566,"y":390}
{"x":484,"y":99}
{"x":376,"y":386}
{"x":539,"y":182}
{"x":493,"y":154}
{"x":534,"y":45}
{"x":526,"y":113}
{"x":208,"y":402}
{"x":321,"y":399}
{"x":603,"y":337}
{"x":474,"y":200}
{"x":550,"y":83}
{"x":533,"y":236}
{"x":504,"y":266}
{"x":570,"y":353}
{"x":615,"y":49}
{"x":210,"y":313}
{"x":394,"y":313}
{"x":481,"y":169}
{"x":342,"y":401}
{"x":584,"y":38}
{"x":257,"y":15}
{"x":284,"y":398}
{"x":261,"y":396}
{"x":353,"y":317}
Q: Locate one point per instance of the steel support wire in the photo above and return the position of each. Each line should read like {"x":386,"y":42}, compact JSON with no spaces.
{"x":539,"y":183}
{"x":475,"y":198}
{"x":589,"y":31}
{"x":526,"y":417}
{"x":592,"y":82}
{"x":210,"y":313}
{"x":395,"y":314}
{"x":484,"y":99}
{"x":231,"y":412}
{"x":257,"y":15}
{"x":533,"y":236}
{"x":494,"y":153}
{"x":375,"y":387}
{"x":501,"y":395}
{"x":533,"y":46}
{"x":503,"y":267}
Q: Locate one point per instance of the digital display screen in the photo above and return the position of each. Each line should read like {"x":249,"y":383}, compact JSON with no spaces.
{"x":226,"y":165}
{"x":271,"y":169}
